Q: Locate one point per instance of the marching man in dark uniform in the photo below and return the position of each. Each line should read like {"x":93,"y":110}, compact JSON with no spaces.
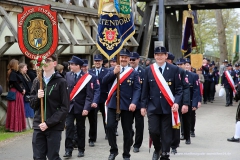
{"x":229,"y":80}
{"x":139,"y":119}
{"x":161,"y":96}
{"x":92,"y":115}
{"x":81,"y":91}
{"x":129,"y":96}
{"x":189,"y":118}
{"x":100,"y":72}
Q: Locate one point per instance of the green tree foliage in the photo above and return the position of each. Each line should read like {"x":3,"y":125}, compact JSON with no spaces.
{"x":206,"y":30}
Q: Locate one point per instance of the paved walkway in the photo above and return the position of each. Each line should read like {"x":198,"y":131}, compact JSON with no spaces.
{"x":215,"y":123}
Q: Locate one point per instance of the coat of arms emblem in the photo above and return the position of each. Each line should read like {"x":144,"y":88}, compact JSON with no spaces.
{"x":37,"y":31}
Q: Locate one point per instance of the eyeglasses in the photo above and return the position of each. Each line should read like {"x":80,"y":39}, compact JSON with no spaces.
{"x":132,"y":59}
{"x":49,"y":60}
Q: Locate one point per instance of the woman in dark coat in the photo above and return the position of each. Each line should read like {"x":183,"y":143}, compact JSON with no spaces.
{"x":27,"y":83}
{"x":15,"y":121}
{"x":32,"y":70}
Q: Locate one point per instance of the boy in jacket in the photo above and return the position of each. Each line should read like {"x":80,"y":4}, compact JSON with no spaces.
{"x":47,"y":135}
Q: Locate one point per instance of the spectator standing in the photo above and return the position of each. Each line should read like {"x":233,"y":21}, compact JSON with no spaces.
{"x":27,"y":84}
{"x":32,"y":70}
{"x":15,"y":121}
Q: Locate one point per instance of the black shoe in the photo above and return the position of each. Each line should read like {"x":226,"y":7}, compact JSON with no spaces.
{"x":156,"y":155}
{"x":205,"y":102}
{"x":192,"y":134}
{"x":112,"y":156}
{"x":174,"y":151}
{"x":211,"y":101}
{"x":182,"y":137}
{"x":233,"y":139}
{"x":188,"y":141}
{"x":126,"y":158}
{"x":80,"y":154}
{"x":226,"y":105}
{"x":67,"y":154}
{"x":116,"y":133}
{"x":106,"y":137}
{"x":91,"y":144}
{"x":135,"y":150}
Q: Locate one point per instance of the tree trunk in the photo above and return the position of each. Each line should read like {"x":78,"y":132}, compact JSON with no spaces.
{"x":221,"y":36}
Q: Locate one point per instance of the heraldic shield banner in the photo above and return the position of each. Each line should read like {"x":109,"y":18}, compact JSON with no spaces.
{"x":115,"y":27}
{"x":37,"y":31}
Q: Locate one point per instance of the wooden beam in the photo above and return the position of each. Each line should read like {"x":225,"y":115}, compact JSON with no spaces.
{"x":8,"y":22}
{"x":84,"y":30}
{"x":60,"y":50}
{"x":60,"y":7}
{"x":93,"y":49}
{"x":10,"y":39}
{"x":148,"y":32}
{"x":5,"y":47}
{"x":67,"y":30}
{"x":62,"y":37}
{"x":145,"y":21}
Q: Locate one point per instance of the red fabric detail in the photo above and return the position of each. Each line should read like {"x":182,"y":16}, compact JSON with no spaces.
{"x":165,"y":94}
{"x":79,"y":83}
{"x":16,"y":121}
{"x":229,"y":81}
{"x":115,"y":87}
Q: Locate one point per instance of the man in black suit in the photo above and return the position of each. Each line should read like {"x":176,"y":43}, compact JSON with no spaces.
{"x":227,"y":85}
{"x":139,"y":119}
{"x":100,"y":72}
{"x":81,"y":97}
{"x":130,"y":91}
{"x":160,"y":81}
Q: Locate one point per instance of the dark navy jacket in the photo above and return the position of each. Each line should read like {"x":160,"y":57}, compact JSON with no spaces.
{"x":130,"y":90}
{"x":152,"y":97}
{"x":103,"y":87}
{"x":224,"y":81}
{"x":141,"y":78}
{"x":83,"y":100}
{"x":186,"y":89}
{"x":96,"y":87}
{"x":205,"y":72}
{"x":192,"y":79}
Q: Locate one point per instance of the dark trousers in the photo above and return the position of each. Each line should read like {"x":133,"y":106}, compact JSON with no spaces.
{"x":101,"y":107}
{"x":205,"y":91}
{"x":176,"y":133}
{"x":193,"y":120}
{"x":80,"y":124}
{"x":126,"y":120}
{"x":211,"y":90}
{"x":92,"y":118}
{"x":229,"y":95}
{"x":186,"y":118}
{"x":160,"y":127}
{"x":46,"y":144}
{"x":139,"y":126}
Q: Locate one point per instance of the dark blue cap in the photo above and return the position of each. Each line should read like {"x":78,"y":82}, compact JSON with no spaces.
{"x":125,"y":52}
{"x":210,"y":65}
{"x":213,"y":63}
{"x":180,"y":61}
{"x":170,"y":56}
{"x":97,"y":57}
{"x":85,"y":62}
{"x":114,"y":59}
{"x":160,"y":50}
{"x":187,"y":60}
{"x":229,"y":65}
{"x":76,"y":61}
{"x":236,"y":65}
{"x":134,"y":55}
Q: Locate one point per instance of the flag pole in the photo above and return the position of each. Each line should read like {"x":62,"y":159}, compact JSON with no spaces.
{"x":118,"y":111}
